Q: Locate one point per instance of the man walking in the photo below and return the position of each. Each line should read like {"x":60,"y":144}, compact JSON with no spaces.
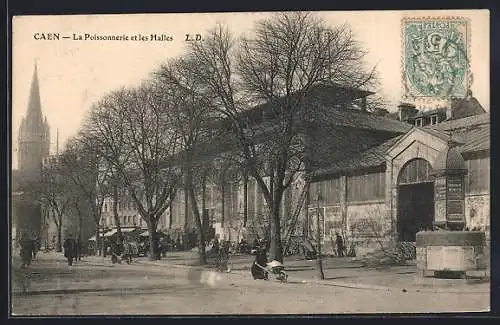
{"x":340,"y":245}
{"x":127,"y":251}
{"x":69,"y":249}
{"x":26,"y":250}
{"x":36,"y":247}
{"x":79,"y":249}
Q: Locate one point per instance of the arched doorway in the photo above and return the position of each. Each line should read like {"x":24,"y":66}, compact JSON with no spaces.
{"x":415,"y":199}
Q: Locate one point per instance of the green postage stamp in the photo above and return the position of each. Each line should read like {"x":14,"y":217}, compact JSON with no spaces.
{"x":436,"y":56}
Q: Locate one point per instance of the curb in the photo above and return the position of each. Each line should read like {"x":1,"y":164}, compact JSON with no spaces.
{"x":340,"y":283}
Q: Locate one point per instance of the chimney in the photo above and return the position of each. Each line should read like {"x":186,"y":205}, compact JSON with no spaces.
{"x":363,"y":104}
{"x":406,"y":110}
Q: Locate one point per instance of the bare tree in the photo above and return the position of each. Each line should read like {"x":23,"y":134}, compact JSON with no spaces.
{"x":90,"y":175}
{"x":190,"y":114}
{"x":281,"y":64}
{"x":131,"y":130}
{"x":53,"y":193}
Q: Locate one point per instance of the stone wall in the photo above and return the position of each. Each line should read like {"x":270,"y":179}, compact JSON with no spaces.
{"x":368,"y":226}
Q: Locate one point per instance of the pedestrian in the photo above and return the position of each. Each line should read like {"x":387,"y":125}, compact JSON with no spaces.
{"x":216,"y":245}
{"x":127,"y":252}
{"x":178,"y":244}
{"x":115,"y":253}
{"x":36,"y":247}
{"x":26,"y":250}
{"x":81,"y":251}
{"x":69,"y":249}
{"x":255,"y":244}
{"x":54,"y":240}
{"x":340,"y":245}
{"x":259,"y":264}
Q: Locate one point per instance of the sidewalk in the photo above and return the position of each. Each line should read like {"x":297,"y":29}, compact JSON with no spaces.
{"x":342,"y":272}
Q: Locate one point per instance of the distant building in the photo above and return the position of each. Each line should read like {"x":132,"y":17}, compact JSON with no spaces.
{"x":457,"y":108}
{"x":33,"y":146}
{"x":128,"y":215}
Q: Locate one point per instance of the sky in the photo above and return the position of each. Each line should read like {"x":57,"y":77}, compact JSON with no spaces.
{"x":73,"y":74}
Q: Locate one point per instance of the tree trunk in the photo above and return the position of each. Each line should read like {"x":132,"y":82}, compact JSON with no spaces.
{"x":98,"y":243}
{"x":117,"y":217}
{"x":223,"y":202}
{"x":276,"y":248}
{"x":186,"y":214}
{"x":59,"y":236}
{"x":201,"y":234}
{"x":153,"y":241}
{"x":245,"y":199}
{"x":170,"y":207}
{"x":319,"y":259}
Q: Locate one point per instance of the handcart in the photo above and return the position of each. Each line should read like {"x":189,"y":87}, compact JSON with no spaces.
{"x":276,"y":268}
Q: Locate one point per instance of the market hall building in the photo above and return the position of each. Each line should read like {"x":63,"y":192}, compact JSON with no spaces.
{"x":435,"y":173}
{"x":379,"y":176}
{"x":376,"y":175}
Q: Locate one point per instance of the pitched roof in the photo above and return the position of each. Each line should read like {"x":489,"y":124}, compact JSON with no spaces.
{"x":465,"y":122}
{"x":465,"y":107}
{"x":373,"y":157}
{"x":471,"y":133}
{"x":475,"y":140}
{"x":366,"y":120}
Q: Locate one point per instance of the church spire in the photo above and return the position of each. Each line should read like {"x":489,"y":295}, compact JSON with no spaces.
{"x":34,"y":103}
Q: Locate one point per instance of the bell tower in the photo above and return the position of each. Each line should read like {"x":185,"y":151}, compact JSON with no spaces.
{"x":34,"y":132}
{"x":33,"y":145}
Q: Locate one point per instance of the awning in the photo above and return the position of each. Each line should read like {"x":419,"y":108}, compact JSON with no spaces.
{"x":114,"y":231}
{"x":146,"y":233}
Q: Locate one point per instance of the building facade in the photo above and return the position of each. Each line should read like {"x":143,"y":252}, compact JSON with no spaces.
{"x":374,"y":179}
{"x":391,"y":191}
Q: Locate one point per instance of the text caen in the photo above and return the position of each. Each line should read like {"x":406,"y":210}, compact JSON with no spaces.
{"x":47,"y":36}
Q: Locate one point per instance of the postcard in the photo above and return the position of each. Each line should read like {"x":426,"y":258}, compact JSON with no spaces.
{"x":250,"y":163}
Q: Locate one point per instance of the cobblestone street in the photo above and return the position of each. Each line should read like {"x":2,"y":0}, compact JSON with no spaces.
{"x":90,"y":286}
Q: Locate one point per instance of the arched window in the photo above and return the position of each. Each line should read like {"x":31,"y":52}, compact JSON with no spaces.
{"x":416,"y":171}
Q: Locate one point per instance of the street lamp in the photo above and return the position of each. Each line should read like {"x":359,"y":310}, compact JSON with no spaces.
{"x":319,"y":259}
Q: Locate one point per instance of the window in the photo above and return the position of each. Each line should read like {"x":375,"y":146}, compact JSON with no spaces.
{"x":478,"y":176}
{"x":419,"y":122}
{"x":366,"y":187}
{"x":434,"y":119}
{"x":415,"y":171}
